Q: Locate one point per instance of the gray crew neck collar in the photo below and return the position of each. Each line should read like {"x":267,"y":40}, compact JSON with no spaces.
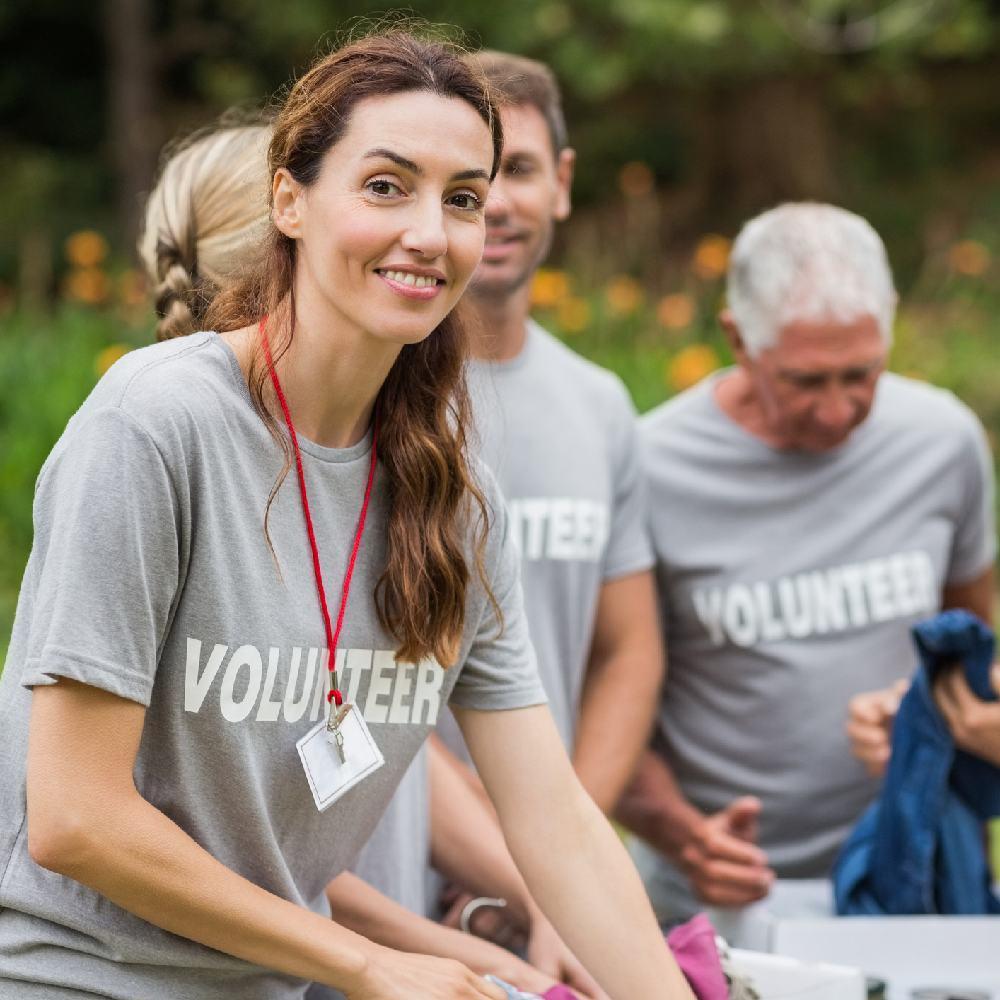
{"x":519,"y":360}
{"x":324,"y":454}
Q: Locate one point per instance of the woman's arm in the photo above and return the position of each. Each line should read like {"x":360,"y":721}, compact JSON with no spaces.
{"x":357,"y":905}
{"x":467,"y":846}
{"x":86,"y":820}
{"x":574,"y":864}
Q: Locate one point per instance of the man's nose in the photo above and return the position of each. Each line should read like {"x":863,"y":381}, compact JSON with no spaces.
{"x":497,"y":205}
{"x":836,"y":408}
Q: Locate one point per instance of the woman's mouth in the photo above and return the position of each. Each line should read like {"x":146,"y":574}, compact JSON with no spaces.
{"x":411,"y":284}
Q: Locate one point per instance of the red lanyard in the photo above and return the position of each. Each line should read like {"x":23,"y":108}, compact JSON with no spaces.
{"x":332,"y":635}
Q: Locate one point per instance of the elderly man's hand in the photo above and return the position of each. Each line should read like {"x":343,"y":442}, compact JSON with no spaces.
{"x":725,"y":866}
{"x":869,"y":724}
{"x":974,"y":724}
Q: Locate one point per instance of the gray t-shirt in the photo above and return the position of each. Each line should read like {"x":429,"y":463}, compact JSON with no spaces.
{"x":559,"y":434}
{"x":150,"y":577}
{"x":788,"y":583}
{"x":395,"y":858}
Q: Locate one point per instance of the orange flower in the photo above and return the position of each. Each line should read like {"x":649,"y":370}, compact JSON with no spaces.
{"x":636,"y":180}
{"x":89,"y":285}
{"x":969,"y":257}
{"x":106,"y":358}
{"x":549,"y":288}
{"x":132,"y":288}
{"x":690,"y":365}
{"x":623,"y":295}
{"x":711,"y":257}
{"x":573,"y":315}
{"x":87,"y":248}
{"x":676,"y":311}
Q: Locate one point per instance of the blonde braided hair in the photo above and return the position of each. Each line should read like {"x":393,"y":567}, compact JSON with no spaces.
{"x":204,"y":218}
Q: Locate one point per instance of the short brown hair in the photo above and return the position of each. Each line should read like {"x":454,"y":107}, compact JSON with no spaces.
{"x":520,"y":81}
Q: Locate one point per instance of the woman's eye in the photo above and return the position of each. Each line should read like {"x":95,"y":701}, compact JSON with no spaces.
{"x":466,"y":201}
{"x":383,"y":188}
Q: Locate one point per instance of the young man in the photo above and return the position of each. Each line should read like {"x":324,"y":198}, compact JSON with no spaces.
{"x":559,"y":434}
{"x":806,"y":509}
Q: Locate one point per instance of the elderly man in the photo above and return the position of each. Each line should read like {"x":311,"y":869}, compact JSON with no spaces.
{"x":806,"y":509}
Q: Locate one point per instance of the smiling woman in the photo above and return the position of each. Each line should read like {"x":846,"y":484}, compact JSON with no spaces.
{"x":188,"y":770}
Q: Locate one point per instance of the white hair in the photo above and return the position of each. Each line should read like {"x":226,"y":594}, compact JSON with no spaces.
{"x":807,"y":261}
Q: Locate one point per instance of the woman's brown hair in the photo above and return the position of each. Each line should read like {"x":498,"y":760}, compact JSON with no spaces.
{"x":423,"y":405}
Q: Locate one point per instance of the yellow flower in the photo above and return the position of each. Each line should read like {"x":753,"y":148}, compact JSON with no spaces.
{"x":969,"y":257}
{"x":675,"y":311}
{"x":711,"y":257}
{"x":132,"y":288}
{"x":549,"y":288}
{"x":690,"y":365}
{"x":623,"y":295}
{"x":636,"y":180}
{"x":106,"y":358}
{"x":89,"y":285}
{"x":573,"y":315}
{"x":86,"y":248}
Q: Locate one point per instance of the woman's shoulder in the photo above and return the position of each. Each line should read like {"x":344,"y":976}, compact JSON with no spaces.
{"x":163,"y":395}
{"x":166,"y":378}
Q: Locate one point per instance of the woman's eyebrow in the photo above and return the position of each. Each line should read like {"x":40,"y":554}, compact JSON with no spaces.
{"x":380,"y":153}
{"x":387,"y":154}
{"x":470,"y":175}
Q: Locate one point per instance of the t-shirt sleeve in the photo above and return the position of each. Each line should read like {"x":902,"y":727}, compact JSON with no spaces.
{"x":975,"y":544}
{"x":500,"y":671}
{"x":628,"y":549}
{"x":106,"y":559}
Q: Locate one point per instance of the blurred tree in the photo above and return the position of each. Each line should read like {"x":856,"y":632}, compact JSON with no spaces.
{"x":732,"y":103}
{"x":131,"y":59}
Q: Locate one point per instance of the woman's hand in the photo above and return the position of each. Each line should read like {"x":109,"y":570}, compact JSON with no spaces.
{"x":548,"y":953}
{"x":396,"y":975}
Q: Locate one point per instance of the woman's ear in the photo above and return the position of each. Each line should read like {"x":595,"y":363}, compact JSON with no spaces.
{"x":286,"y":195}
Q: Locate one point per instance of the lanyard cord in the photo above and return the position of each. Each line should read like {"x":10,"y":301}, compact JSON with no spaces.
{"x":332,"y":635}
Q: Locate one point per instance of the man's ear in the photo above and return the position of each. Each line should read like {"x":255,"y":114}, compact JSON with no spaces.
{"x":565,"y":167}
{"x":286,"y":194}
{"x":734,"y":337}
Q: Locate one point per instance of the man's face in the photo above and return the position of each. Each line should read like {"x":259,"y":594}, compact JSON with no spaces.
{"x":818,"y":382}
{"x":529,"y":195}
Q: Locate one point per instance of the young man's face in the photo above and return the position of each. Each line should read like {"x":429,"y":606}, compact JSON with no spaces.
{"x":529,"y":195}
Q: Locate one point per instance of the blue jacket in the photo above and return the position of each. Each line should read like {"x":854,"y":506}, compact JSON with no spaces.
{"x":921,"y":847}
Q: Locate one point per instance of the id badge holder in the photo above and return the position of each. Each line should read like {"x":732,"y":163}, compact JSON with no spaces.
{"x":332,"y":767}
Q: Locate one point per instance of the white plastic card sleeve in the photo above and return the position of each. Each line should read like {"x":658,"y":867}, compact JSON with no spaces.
{"x":329,"y":777}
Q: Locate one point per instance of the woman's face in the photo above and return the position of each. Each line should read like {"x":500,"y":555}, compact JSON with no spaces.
{"x":392,"y":229}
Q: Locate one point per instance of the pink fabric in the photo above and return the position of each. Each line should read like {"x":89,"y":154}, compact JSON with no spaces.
{"x":693,"y":945}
